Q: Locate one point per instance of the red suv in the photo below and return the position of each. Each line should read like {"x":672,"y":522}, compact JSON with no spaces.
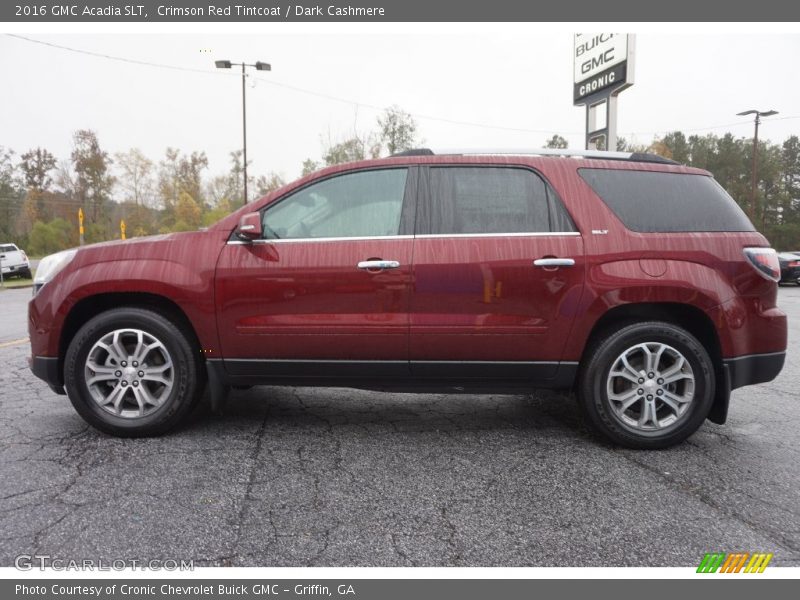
{"x":632,"y":280}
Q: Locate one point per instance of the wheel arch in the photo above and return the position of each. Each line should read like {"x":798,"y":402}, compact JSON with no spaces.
{"x":687,"y":316}
{"x":90,"y":306}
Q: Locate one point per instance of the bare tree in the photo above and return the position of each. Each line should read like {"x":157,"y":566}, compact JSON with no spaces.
{"x":135,"y":176}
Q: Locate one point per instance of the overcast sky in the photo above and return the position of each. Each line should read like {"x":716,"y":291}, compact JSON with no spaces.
{"x":507,"y":82}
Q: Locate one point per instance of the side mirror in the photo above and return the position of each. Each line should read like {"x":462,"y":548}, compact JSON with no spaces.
{"x":249,"y":228}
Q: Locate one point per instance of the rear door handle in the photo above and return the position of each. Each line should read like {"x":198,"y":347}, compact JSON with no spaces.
{"x":378,"y":264}
{"x":554,"y":262}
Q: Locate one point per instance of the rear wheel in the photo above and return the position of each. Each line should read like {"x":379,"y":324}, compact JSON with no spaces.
{"x":647,"y":385}
{"x":131,"y":372}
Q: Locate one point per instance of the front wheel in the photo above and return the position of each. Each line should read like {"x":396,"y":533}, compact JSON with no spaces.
{"x":131,"y":372}
{"x":647,"y":385}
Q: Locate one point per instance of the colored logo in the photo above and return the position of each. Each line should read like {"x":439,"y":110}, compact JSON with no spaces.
{"x":740,"y":562}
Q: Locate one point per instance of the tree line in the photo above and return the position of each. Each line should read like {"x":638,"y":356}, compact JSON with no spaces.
{"x":40,"y":195}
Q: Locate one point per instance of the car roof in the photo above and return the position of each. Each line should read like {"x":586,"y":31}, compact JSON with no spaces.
{"x":560,"y":152}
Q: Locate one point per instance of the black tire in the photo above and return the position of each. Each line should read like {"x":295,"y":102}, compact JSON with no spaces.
{"x":187,"y":374}
{"x":598,"y":409}
{"x":26,"y":274}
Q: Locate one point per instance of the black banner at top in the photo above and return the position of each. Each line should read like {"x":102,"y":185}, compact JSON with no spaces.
{"x":396,"y":11}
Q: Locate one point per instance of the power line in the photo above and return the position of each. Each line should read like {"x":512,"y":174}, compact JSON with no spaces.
{"x":356,"y":103}
{"x":132,"y":61}
{"x":415,"y":115}
{"x":272,"y":83}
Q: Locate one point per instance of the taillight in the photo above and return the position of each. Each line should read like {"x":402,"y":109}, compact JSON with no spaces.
{"x":795,"y":263}
{"x":765,"y":261}
{"x":24,"y":256}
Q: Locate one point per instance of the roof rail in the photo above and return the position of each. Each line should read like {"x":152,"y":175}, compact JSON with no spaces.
{"x":598,"y":154}
{"x":415,"y":152}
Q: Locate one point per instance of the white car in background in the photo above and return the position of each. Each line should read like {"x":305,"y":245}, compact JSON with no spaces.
{"x":14,"y":261}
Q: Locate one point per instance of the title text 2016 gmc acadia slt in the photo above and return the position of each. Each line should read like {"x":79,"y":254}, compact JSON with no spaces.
{"x":635,"y":281}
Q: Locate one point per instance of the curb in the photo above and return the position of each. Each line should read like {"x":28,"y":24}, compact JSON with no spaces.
{"x":16,"y":287}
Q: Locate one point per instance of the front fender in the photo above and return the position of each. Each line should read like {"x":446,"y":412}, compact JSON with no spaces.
{"x":190,"y":288}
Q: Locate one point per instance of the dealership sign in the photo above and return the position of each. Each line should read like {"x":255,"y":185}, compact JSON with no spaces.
{"x":602,"y":61}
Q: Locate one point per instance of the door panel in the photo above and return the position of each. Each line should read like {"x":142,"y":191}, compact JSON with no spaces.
{"x":480,"y":307}
{"x":308,"y":300}
{"x":330,"y":283}
{"x":482,"y":299}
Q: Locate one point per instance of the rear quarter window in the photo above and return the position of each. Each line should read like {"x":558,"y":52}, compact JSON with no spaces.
{"x":658,"y":202}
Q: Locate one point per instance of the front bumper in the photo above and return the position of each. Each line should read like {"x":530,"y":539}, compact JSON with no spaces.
{"x":754,"y":368}
{"x":48,"y":370}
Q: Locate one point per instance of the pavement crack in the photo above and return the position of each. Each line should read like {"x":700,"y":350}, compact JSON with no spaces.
{"x":778,"y":538}
{"x":451,"y":536}
{"x":251,"y":472}
{"x":400,"y":552}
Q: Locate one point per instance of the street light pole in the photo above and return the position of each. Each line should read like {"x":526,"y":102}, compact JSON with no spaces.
{"x":259,"y":66}
{"x":754,"y":174}
{"x":244,"y":134}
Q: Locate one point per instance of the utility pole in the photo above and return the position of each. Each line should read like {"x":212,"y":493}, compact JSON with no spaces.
{"x":244,"y":135}
{"x":754,"y":174}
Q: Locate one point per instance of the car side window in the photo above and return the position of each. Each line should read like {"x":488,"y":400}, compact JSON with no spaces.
{"x":465,"y":200}
{"x":362,"y":204}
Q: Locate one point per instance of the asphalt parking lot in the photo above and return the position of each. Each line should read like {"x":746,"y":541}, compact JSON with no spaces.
{"x":296,"y":477}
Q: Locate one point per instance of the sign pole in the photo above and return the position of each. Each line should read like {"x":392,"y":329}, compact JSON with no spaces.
{"x":122,"y":228}
{"x":611,"y":121}
{"x":603,"y":67}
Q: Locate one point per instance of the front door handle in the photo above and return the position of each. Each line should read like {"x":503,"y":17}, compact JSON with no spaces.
{"x":554,"y":262}
{"x":371,"y":265}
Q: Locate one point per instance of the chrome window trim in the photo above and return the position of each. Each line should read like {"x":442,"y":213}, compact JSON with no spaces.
{"x":483,"y":235}
{"x":408,"y":237}
{"x":323,"y":239}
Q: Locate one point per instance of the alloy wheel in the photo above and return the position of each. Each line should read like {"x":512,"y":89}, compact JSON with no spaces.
{"x":650,"y":387}
{"x":129,"y":373}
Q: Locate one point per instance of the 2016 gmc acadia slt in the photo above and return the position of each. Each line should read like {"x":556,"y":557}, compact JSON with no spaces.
{"x":632,"y":280}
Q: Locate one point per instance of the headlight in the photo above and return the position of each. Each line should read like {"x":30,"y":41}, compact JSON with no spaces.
{"x":50,"y":266}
